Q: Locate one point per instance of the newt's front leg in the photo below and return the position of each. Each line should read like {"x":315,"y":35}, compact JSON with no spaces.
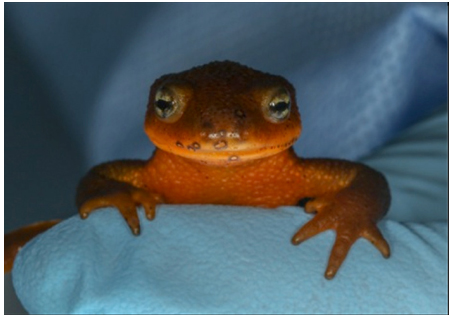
{"x":347,"y":197}
{"x":119,"y":184}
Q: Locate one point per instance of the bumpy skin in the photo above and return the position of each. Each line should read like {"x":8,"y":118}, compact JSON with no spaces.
{"x":221,"y":145}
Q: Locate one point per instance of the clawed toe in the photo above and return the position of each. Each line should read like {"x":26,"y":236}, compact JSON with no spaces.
{"x":348,"y":230}
{"x":126,"y":202}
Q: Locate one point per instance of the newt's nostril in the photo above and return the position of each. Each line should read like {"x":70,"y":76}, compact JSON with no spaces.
{"x":207,"y":125}
{"x":222,"y":133}
{"x":239,"y":113}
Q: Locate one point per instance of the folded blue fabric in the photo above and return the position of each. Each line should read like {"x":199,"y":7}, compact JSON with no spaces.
{"x":206,"y":259}
{"x":222,"y":259}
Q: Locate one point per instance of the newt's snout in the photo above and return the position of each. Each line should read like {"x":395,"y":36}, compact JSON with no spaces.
{"x":225,"y":128}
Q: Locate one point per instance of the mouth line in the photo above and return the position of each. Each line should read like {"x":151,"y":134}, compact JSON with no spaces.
{"x":228,"y":156}
{"x":221,"y":152}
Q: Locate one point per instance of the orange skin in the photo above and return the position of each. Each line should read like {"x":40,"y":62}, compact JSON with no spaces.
{"x":222,"y":140}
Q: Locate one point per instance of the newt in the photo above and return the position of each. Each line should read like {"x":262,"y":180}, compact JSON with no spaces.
{"x":224,"y":134}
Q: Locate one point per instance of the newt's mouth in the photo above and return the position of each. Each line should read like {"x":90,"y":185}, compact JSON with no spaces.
{"x":223,"y":152}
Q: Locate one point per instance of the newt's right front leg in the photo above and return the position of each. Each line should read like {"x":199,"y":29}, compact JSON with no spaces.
{"x":118,"y":184}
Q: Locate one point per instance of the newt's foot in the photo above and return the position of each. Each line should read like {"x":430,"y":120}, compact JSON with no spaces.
{"x":126,"y":201}
{"x":349,"y":219}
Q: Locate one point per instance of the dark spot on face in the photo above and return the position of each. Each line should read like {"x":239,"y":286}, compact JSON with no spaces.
{"x":239,"y":113}
{"x":179,"y":144}
{"x":194,"y":146}
{"x":207,"y":125}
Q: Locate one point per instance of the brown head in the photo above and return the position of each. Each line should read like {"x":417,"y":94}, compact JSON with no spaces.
{"x":222,"y":113}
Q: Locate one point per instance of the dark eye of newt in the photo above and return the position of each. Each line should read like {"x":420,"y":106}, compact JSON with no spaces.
{"x":164,"y":108}
{"x":279,"y":110}
{"x":279,"y":107}
{"x":164,"y":104}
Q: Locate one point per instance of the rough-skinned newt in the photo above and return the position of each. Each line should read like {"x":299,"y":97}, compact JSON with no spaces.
{"x":224,"y":134}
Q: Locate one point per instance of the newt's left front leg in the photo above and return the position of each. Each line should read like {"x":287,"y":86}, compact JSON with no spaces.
{"x":347,"y":197}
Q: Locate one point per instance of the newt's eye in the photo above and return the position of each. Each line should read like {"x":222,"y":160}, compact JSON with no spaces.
{"x":278,"y":107}
{"x":164,"y":108}
{"x":164,"y":104}
{"x":170,"y":101}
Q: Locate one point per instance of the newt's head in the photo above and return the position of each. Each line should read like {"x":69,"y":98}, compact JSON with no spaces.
{"x":222,"y":113}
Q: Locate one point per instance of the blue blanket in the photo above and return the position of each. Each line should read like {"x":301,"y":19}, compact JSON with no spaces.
{"x":217,"y":259}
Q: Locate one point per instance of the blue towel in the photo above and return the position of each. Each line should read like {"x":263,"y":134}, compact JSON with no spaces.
{"x":218,"y":259}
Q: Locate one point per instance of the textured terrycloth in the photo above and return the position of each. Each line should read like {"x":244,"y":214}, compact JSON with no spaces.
{"x":204,"y":259}
{"x":363,"y":73}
